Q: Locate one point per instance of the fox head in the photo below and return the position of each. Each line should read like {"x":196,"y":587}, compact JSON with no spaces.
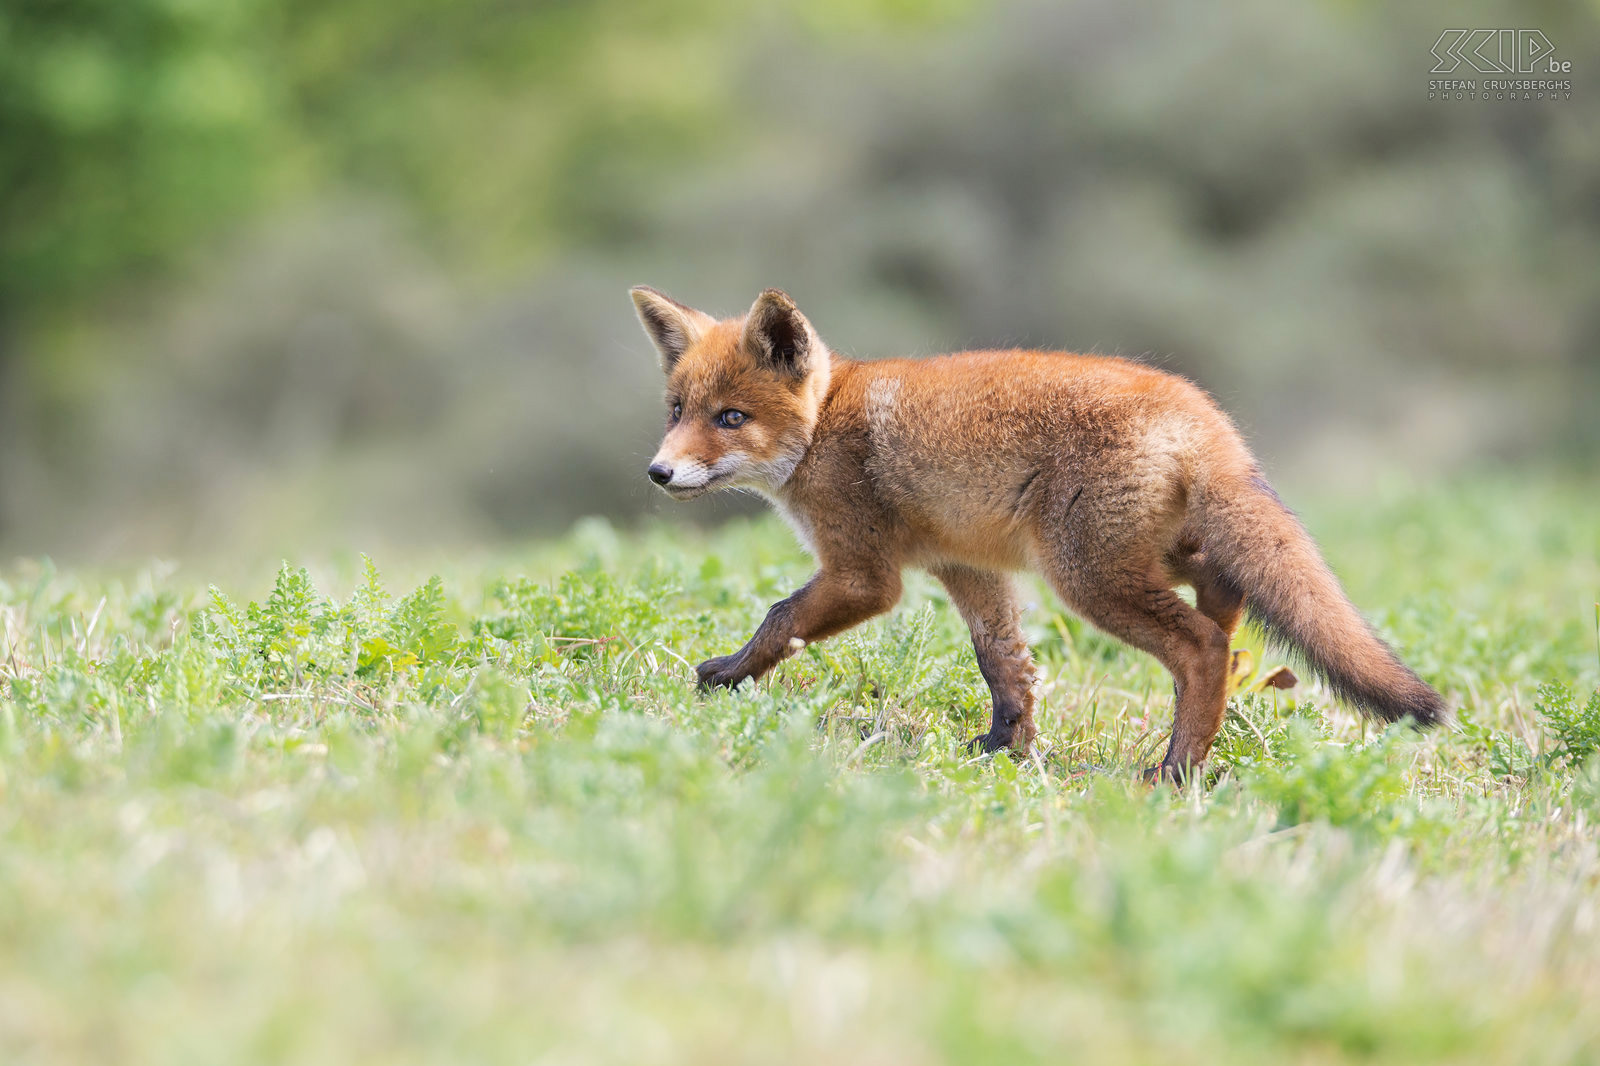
{"x":742,"y":393}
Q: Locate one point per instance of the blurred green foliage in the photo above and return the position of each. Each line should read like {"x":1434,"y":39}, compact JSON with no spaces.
{"x":267,"y":264}
{"x":129,"y":129}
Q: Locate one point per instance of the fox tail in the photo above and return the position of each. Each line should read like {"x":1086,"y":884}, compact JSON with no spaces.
{"x":1257,"y":545}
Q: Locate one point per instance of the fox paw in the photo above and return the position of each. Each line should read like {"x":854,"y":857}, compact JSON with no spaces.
{"x":991,"y":742}
{"x":1164,"y":775}
{"x":720,"y":672}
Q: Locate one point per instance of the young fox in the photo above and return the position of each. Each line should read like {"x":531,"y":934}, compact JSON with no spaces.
{"x":1113,"y":480}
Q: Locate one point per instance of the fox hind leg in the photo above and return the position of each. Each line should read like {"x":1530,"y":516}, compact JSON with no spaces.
{"x":1136,"y":606}
{"x":1222,"y":603}
{"x":988,"y":603}
{"x":1215,"y":597}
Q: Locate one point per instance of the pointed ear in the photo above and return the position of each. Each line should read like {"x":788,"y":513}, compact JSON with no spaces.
{"x":779,"y":337}
{"x":671,"y":326}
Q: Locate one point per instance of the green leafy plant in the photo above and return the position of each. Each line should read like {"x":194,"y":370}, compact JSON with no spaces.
{"x":1348,"y":786}
{"x":1575,"y":727}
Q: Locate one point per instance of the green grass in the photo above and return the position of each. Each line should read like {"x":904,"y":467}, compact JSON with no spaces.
{"x":488,"y":820}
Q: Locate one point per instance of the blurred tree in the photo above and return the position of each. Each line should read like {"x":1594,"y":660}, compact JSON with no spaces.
{"x":501,"y":124}
{"x":128,"y":128}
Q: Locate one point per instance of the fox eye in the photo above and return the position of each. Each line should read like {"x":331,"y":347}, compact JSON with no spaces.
{"x":677,"y":411}
{"x":731,"y":419}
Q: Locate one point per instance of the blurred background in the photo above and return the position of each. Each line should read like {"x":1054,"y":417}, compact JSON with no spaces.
{"x":284,"y":274}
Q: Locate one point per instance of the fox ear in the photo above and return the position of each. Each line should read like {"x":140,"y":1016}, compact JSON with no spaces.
{"x":778,"y":335}
{"x":671,"y":326}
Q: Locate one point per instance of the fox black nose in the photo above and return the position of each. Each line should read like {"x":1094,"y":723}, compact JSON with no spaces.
{"x":660,"y":473}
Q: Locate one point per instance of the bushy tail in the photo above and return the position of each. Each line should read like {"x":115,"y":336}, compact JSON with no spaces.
{"x":1253,"y":542}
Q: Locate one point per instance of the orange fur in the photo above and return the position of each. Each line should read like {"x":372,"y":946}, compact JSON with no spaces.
{"x":1114,"y":480}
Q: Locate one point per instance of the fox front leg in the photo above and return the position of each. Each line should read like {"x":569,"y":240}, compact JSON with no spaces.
{"x":831,"y":602}
{"x":989,"y":606}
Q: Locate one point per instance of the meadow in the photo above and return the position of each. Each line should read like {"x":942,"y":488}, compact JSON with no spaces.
{"x":358,"y":813}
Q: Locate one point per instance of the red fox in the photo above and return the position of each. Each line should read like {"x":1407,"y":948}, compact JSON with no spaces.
{"x":1113,"y":480}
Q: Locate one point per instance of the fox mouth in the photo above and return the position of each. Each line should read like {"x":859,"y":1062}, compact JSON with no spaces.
{"x":683,"y":493}
{"x":689,"y":492}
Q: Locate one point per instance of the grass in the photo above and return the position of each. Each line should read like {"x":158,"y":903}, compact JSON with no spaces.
{"x":487,"y":820}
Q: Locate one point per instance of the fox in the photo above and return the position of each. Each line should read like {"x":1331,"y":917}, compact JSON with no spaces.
{"x":1117,"y":482}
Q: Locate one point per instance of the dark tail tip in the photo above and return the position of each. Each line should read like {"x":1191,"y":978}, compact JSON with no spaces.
{"x":1416,"y":701}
